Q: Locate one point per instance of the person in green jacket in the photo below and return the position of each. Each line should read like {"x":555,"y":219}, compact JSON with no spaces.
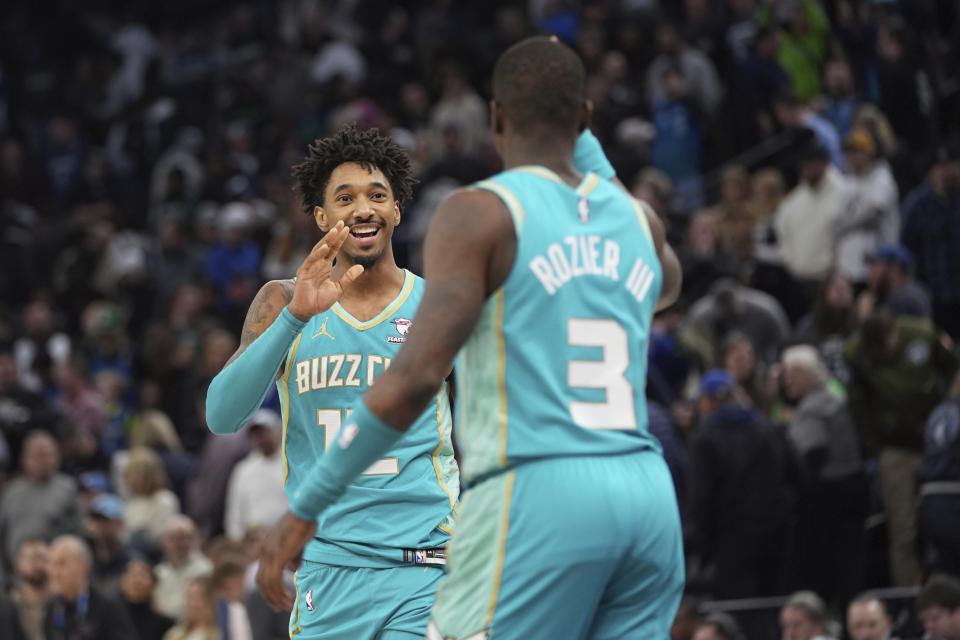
{"x":900,"y":370}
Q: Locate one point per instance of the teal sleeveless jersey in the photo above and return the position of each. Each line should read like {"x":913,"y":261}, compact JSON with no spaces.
{"x":406,"y":500}
{"x":556,"y":365}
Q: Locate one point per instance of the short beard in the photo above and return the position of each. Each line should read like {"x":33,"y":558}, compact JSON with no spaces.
{"x":366,"y":260}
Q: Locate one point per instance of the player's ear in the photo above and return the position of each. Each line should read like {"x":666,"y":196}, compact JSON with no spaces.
{"x":496,"y":117}
{"x":586,"y":112}
{"x":321,"y":217}
{"x":396,"y":212}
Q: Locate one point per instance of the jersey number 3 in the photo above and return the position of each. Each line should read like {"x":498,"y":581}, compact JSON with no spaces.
{"x":617,"y":412}
{"x":331,"y":420}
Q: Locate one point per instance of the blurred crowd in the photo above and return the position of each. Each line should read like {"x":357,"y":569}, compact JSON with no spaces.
{"x":803,"y":153}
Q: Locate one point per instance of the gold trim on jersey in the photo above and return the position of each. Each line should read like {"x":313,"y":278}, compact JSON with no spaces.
{"x":388,"y":311}
{"x":638,"y":208}
{"x":436,"y":452}
{"x":285,"y":407}
{"x":588,"y":184}
{"x":501,"y":552}
{"x":512,"y":202}
{"x":502,"y":375}
{"x":296,"y":588}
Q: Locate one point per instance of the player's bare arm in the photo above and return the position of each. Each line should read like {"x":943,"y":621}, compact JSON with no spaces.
{"x":672,"y":273}
{"x":468,"y":253}
{"x":313,"y":283}
{"x":266,"y":306}
{"x":235,"y":393}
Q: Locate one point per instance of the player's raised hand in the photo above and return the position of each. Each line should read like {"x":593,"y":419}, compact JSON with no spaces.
{"x":282,"y":548}
{"x":315,"y":291}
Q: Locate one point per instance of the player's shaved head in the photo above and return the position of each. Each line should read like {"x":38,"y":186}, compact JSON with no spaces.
{"x":540,"y":81}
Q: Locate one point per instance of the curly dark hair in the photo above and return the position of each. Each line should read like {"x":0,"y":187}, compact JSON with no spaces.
{"x":351,"y":144}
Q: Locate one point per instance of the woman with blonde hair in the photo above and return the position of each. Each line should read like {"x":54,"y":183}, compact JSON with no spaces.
{"x":151,"y":503}
{"x":199,"y":621}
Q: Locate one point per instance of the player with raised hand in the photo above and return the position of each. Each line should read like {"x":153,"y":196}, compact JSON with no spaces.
{"x":373,"y":562}
{"x":542,"y":281}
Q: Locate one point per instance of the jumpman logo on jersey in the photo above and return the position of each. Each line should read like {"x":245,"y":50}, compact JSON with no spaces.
{"x":323,"y":331}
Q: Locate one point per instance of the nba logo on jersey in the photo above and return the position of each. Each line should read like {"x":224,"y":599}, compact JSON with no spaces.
{"x":309,"y":600}
{"x":420,"y":557}
{"x":583,"y":210}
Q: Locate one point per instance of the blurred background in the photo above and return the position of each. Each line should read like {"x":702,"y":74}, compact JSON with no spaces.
{"x":803,"y":153}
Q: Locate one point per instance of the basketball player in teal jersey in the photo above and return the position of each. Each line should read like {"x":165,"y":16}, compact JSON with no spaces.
{"x":542,"y":281}
{"x":372,"y":568}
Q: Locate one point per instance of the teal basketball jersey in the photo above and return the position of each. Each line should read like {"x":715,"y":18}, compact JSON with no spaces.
{"x":406,"y":500}
{"x":556,"y":365}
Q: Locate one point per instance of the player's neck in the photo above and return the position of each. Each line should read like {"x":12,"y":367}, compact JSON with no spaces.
{"x":554,"y":154}
{"x":376,"y":287}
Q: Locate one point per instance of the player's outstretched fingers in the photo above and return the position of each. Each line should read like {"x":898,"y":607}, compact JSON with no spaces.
{"x":336,"y":237}
{"x":347,"y":278}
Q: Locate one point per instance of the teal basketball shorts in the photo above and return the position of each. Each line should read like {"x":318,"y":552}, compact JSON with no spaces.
{"x":357,"y":603}
{"x":578,"y":547}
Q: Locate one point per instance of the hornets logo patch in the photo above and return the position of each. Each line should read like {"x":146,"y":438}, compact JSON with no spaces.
{"x":402,"y":325}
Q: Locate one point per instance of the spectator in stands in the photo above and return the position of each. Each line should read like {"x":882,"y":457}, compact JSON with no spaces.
{"x":677,"y":148}
{"x":833,"y":503}
{"x":741,"y":492}
{"x":701,"y":77}
{"x":255,"y":494}
{"x":227,"y":583}
{"x":839,"y":102}
{"x":137,"y":586}
{"x":830,"y":324}
{"x":939,"y":607}
{"x":23,"y":409}
{"x":234,"y":262}
{"x":804,"y":617}
{"x":40,"y":345}
{"x":656,"y":189}
{"x":795,"y":115}
{"x":152,"y":429}
{"x":871,"y":218}
{"x":900,"y":87}
{"x":459,"y":106}
{"x":931,"y":233}
{"x":105,"y":533}
{"x":805,"y":221}
{"x":661,"y":426}
{"x":9,"y":619}
{"x":892,"y":286}
{"x":739,"y":359}
{"x":867,"y":619}
{"x":702,"y":258}
{"x":759,"y":80}
{"x":804,"y":33}
{"x":899,"y":371}
{"x":719,"y":626}
{"x":79,"y":403}
{"x":939,"y":477}
{"x":732,"y":307}
{"x":31,"y":589}
{"x":183,"y":562}
{"x":199,"y":619}
{"x":78,"y":610}
{"x":151,"y":504}
{"x":42,"y":502}
{"x":207,"y":490}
